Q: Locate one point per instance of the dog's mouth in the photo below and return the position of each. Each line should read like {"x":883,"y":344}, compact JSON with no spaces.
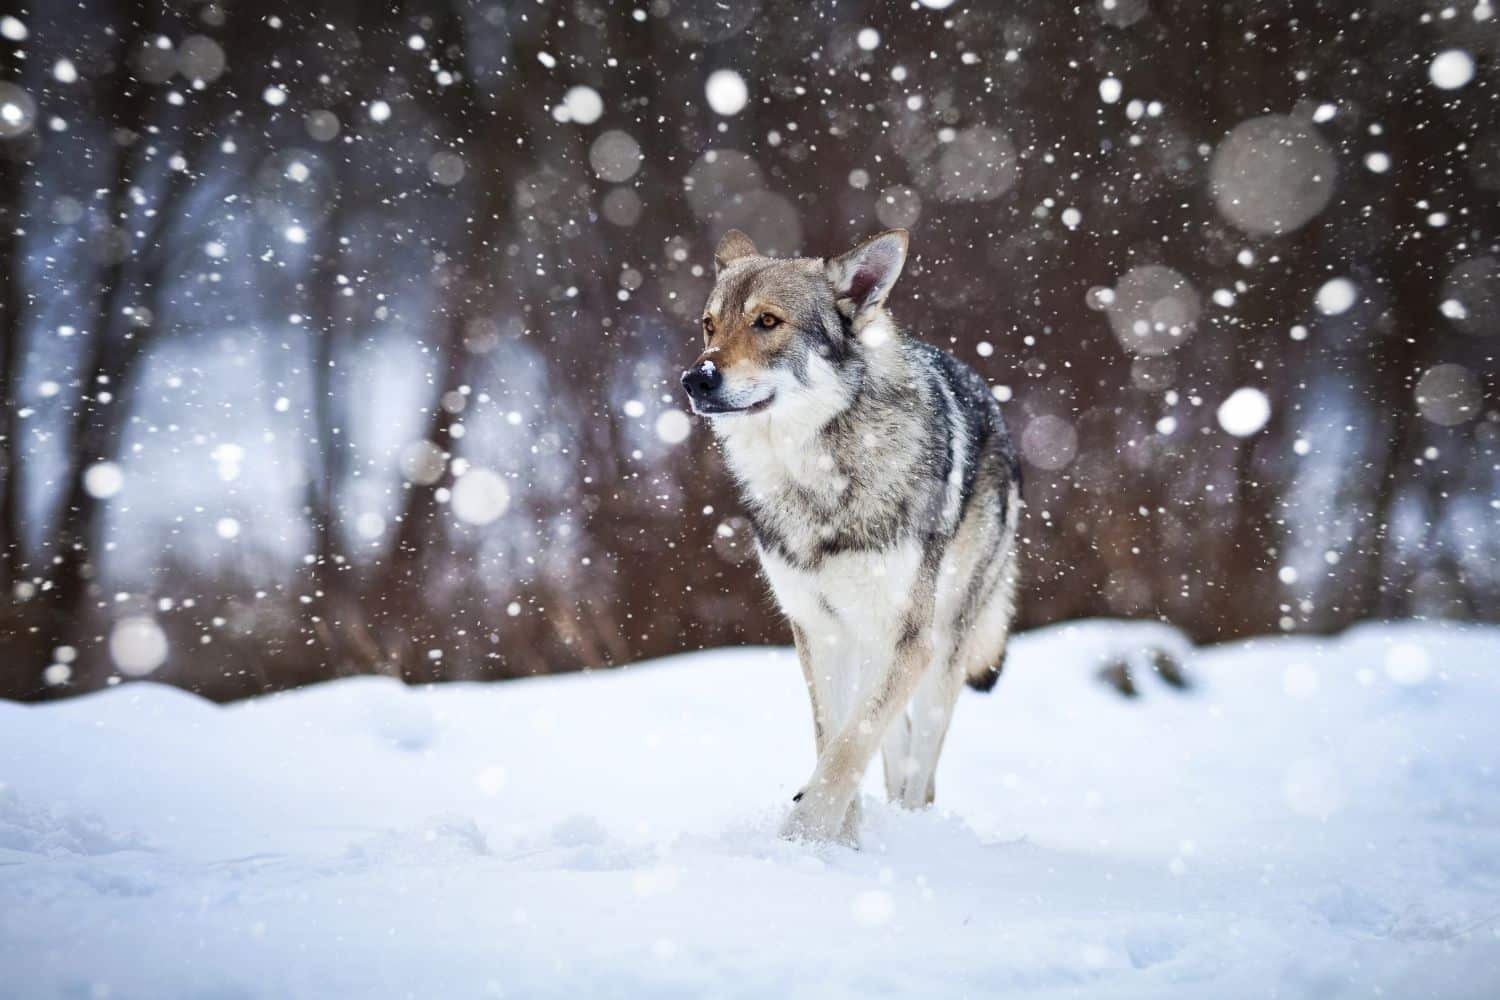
{"x":710,"y":410}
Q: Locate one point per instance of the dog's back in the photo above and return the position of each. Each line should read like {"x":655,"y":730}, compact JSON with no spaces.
{"x":988,"y":471}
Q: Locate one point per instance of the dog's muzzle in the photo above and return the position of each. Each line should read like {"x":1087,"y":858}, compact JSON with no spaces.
{"x":704,"y":384}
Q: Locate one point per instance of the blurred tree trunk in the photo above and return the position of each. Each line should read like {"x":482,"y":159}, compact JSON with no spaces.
{"x":1419,"y":132}
{"x":397,"y":598}
{"x":110,"y":356}
{"x":1416,"y":134}
{"x":336,"y":616}
{"x":13,"y":171}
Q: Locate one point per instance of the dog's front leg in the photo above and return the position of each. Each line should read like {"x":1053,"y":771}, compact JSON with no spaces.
{"x":825,"y":669}
{"x":810,"y":676}
{"x":822,"y":808}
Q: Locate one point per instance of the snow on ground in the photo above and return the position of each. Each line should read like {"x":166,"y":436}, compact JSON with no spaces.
{"x":1314,"y":818}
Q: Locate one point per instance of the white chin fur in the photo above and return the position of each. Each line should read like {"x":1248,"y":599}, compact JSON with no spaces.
{"x":799,"y":409}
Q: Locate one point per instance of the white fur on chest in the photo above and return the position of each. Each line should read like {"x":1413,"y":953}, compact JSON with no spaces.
{"x":851,"y":596}
{"x":851,"y":610}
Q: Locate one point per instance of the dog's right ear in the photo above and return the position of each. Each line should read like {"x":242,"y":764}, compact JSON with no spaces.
{"x":731,"y":248}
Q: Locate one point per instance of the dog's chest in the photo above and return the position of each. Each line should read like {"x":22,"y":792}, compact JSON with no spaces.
{"x":863,"y":594}
{"x":807,"y":506}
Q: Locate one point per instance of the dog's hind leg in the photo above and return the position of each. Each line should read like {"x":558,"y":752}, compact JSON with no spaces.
{"x":979,"y":651}
{"x":931,"y":711}
{"x":895,"y":752}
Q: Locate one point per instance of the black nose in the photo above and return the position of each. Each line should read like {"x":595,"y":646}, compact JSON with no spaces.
{"x":702,"y":380}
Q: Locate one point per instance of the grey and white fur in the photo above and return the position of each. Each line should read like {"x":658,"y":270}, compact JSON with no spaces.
{"x":884,"y":492}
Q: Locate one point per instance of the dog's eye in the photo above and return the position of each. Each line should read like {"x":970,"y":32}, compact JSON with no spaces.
{"x":708,"y":325}
{"x":767,"y":322}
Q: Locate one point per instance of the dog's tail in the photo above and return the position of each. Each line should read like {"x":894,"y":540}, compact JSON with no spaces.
{"x":984,"y":682}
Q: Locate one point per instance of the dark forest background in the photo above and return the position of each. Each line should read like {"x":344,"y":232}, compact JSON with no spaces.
{"x":343,"y":337}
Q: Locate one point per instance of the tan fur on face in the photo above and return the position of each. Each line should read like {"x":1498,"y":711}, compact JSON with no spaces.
{"x":793,"y":291}
{"x":737,"y":344}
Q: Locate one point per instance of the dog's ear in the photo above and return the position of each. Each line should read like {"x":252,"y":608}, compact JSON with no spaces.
{"x":863,"y":277}
{"x":731,"y":248}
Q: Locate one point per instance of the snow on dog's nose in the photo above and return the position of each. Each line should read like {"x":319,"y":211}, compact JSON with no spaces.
{"x":701,"y":380}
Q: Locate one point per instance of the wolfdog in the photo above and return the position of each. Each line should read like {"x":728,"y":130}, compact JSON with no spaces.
{"x":883,"y":491}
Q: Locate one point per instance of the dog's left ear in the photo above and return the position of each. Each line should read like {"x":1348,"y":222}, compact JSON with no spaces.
{"x":863,"y":277}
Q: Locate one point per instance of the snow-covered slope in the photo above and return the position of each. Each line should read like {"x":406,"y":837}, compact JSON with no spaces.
{"x":1314,"y":818}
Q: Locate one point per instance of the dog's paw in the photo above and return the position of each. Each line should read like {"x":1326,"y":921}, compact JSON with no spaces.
{"x":816,"y":819}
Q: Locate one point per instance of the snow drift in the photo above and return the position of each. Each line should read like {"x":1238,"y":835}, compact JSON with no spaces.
{"x":1313,"y":817}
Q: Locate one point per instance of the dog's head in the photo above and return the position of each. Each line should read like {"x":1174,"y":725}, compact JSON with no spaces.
{"x":778,"y":333}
